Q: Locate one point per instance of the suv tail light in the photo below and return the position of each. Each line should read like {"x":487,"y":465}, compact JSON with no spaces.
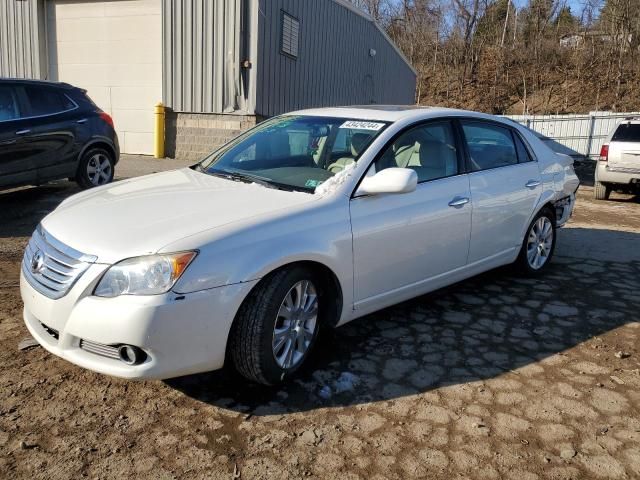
{"x":107,"y":118}
{"x":604,"y":153}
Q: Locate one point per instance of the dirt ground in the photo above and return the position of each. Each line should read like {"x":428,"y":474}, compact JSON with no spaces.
{"x":495,"y":377}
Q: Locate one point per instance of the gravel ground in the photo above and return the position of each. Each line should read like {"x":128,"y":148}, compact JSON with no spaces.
{"x":495,"y":377}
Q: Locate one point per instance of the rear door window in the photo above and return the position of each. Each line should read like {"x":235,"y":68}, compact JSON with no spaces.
{"x":627,"y":132}
{"x":523,"y":153}
{"x":47,"y":101}
{"x":9,"y":109}
{"x":490,"y":146}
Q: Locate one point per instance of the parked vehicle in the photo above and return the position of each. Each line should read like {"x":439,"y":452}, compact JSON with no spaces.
{"x":618,"y":167}
{"x":309,"y":220}
{"x":50,"y":131}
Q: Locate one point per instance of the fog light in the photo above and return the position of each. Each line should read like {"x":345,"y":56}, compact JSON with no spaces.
{"x":131,"y":355}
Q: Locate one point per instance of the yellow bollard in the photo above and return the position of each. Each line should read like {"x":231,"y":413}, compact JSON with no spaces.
{"x":158,"y":151}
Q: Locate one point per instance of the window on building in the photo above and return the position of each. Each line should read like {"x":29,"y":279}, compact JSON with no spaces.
{"x":290,"y":31}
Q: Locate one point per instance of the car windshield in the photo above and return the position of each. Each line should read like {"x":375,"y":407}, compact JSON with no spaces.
{"x":293,"y":152}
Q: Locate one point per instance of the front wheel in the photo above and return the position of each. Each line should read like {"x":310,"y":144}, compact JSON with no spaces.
{"x":538,"y":245}
{"x":96,"y":168}
{"x":277,"y":326}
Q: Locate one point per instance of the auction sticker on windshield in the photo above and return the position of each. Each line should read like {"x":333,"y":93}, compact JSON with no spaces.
{"x":360,"y":125}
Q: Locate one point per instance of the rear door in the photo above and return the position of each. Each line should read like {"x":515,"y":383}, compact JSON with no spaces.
{"x":624,"y":149}
{"x":505,"y":186}
{"x":14,"y":168}
{"x":50,"y":138}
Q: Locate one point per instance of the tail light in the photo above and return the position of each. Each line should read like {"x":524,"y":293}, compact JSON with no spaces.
{"x":107,"y":118}
{"x":604,"y":153}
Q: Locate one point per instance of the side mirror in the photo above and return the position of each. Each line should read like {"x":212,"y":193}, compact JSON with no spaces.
{"x":389,"y":180}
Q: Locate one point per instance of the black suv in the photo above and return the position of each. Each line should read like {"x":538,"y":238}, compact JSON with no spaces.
{"x":50,"y":131}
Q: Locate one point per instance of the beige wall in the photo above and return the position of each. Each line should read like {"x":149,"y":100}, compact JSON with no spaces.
{"x":113,"y":49}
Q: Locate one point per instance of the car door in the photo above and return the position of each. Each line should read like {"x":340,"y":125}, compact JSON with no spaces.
{"x":505,"y":186}
{"x":50,"y":138}
{"x":402,"y":241}
{"x":14,"y":169}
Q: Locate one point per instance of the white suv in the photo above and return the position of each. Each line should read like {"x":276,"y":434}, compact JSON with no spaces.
{"x":619,"y":164}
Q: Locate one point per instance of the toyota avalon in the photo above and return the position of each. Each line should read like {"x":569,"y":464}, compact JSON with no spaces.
{"x":307,"y":221}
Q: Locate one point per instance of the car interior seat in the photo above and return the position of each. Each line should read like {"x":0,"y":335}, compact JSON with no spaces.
{"x":358,"y":142}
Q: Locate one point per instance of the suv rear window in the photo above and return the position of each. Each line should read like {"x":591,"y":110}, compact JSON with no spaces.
{"x":627,"y":132}
{"x":46,"y":101}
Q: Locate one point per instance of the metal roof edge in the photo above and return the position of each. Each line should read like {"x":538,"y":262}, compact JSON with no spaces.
{"x":350,"y":6}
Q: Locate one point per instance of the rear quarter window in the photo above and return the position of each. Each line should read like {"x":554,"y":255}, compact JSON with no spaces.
{"x":627,"y":132}
{"x":47,"y":101}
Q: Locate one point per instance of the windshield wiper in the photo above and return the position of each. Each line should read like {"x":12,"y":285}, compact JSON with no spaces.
{"x":245,"y":177}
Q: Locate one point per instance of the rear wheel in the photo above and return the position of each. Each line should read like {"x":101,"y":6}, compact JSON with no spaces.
{"x":96,"y":168}
{"x":601,"y":191}
{"x":539,"y":244}
{"x":277,"y":326}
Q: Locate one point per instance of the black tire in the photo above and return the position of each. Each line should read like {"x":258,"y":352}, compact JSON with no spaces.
{"x":252,"y":333}
{"x":601,"y":191}
{"x":522,"y":263}
{"x":97,"y":154}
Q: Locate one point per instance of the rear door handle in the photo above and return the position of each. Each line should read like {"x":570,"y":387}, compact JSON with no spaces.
{"x":83,"y":120}
{"x":458,"y":202}
{"x":532,"y":184}
{"x":22,"y":132}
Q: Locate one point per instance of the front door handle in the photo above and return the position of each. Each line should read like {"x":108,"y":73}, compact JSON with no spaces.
{"x":22,"y":132}
{"x":458,"y":202}
{"x":532,"y":184}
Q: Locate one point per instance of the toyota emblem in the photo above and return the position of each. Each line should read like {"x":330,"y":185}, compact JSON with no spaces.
{"x":37,"y":262}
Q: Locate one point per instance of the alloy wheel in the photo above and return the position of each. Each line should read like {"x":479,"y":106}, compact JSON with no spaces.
{"x":295,"y":325}
{"x":539,"y":243}
{"x":99,"y":169}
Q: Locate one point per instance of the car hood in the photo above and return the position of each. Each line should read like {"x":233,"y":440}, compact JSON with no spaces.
{"x":139,"y":216}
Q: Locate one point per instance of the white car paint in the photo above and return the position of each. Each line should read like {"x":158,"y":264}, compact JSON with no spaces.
{"x":242,"y":232}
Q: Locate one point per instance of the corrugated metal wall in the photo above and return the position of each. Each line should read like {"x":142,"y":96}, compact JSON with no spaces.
{"x":333,"y":67}
{"x":22,"y":39}
{"x":201,"y":55}
{"x":575,"y":135}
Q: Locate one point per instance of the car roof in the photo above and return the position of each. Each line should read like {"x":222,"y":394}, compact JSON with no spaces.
{"x":391,"y":113}
{"x":33,"y":81}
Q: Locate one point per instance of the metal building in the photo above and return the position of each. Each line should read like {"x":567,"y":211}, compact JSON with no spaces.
{"x":217,"y":65}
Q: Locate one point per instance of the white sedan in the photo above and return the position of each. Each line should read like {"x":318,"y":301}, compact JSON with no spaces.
{"x":309,"y":220}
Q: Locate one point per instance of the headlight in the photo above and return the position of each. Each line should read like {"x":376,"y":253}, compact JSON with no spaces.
{"x":148,"y":275}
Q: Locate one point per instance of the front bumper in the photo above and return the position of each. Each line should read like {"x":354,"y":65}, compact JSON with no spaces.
{"x":181,"y":334}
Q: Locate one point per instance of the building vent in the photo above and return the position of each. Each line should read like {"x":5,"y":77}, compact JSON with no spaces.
{"x":290,"y":30}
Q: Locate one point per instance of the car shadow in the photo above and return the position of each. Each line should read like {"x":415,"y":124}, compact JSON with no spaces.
{"x":464,"y":334}
{"x":22,"y":208}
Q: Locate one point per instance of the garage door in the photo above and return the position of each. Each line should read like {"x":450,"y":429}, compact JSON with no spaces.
{"x":113,"y":49}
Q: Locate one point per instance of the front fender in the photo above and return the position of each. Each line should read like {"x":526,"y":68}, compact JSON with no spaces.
{"x":250,"y":252}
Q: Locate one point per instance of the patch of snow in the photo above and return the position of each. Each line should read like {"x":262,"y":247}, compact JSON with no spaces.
{"x":331,"y":185}
{"x":325,"y":392}
{"x":346,"y":382}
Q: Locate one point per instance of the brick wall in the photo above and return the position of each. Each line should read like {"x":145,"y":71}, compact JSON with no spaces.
{"x":191,"y":136}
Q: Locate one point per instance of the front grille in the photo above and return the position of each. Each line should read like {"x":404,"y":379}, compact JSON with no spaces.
{"x":100,"y":349}
{"x":50,"y":266}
